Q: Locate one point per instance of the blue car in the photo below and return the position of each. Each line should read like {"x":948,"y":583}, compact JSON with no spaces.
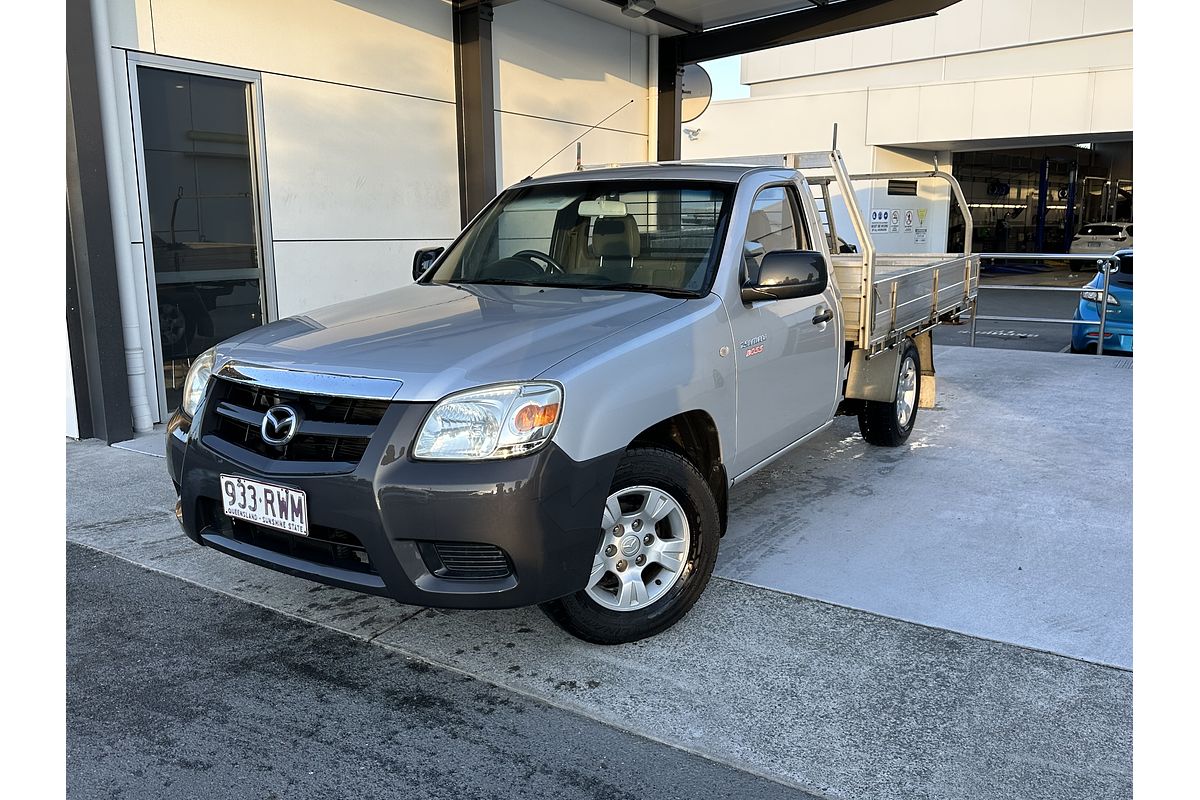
{"x":1118,"y":321}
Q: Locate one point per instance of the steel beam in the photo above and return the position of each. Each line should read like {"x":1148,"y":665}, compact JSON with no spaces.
{"x":474,"y":83}
{"x":663,"y":18}
{"x":670,"y":99}
{"x":802,"y":26}
{"x":1039,"y":231}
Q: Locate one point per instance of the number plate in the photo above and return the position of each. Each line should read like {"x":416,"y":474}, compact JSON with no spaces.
{"x":265,"y":504}
{"x":1094,"y":244}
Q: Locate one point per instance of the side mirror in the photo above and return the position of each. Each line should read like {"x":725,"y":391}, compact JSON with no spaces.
{"x":424,"y":259}
{"x":753,"y":250}
{"x":786,"y":274}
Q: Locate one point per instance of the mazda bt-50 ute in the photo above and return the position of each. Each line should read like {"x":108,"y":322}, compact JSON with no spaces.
{"x":556,"y":410}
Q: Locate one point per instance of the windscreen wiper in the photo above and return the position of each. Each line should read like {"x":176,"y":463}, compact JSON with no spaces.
{"x":496,"y":282}
{"x":665,"y":291}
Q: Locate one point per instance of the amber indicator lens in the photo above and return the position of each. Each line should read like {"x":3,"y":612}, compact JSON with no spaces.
{"x":533,"y":416}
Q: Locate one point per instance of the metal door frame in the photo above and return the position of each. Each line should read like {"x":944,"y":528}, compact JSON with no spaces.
{"x":268,"y":298}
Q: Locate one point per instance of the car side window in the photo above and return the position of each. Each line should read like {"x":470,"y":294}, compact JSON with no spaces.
{"x":773,"y":226}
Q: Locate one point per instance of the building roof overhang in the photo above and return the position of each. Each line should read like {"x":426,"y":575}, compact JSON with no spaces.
{"x":707,"y":29}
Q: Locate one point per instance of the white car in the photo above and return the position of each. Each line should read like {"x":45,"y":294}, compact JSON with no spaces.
{"x":1103,"y":238}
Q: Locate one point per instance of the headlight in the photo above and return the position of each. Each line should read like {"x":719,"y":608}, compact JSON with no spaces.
{"x":197,"y":381}
{"x":1094,"y":296}
{"x":502,"y":421}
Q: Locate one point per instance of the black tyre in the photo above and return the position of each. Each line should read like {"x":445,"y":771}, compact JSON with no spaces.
{"x":661,"y":533}
{"x":889,"y":424}
{"x":176,"y":328}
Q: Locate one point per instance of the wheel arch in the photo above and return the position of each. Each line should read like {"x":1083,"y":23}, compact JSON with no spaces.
{"x":693,"y":434}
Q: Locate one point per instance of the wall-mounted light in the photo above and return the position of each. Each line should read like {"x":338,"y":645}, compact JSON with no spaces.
{"x":637,"y":8}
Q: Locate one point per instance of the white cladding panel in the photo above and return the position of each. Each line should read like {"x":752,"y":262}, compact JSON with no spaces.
{"x":948,"y":109}
{"x":958,"y":27}
{"x":1058,"y":18}
{"x":558,"y":73}
{"x":978,"y":70}
{"x":1076,"y":55}
{"x":1004,"y":23}
{"x":400,"y":47}
{"x":782,"y":125}
{"x":1002,"y":108}
{"x":558,"y":64}
{"x":1112,"y":109}
{"x":316,"y":274}
{"x":1061,"y":103}
{"x":530,"y":141}
{"x":871,"y":46}
{"x":831,"y":55}
{"x":967,"y":27}
{"x":348,"y":163}
{"x":893,"y":114}
{"x":1107,"y":15}
{"x":914,"y":39}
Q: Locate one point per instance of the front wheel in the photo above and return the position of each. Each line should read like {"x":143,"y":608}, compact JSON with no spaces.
{"x":889,"y":424}
{"x":655,"y":555}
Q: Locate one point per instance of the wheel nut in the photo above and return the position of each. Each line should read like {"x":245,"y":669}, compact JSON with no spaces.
{"x":610,"y":551}
{"x":640,"y":560}
{"x":621,"y":565}
{"x":618,"y":530}
{"x":637,"y":525}
{"x":649,"y":539}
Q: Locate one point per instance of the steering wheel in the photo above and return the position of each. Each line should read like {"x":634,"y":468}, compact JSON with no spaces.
{"x":534,"y":255}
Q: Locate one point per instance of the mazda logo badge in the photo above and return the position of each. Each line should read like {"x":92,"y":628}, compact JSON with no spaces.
{"x":279,"y":425}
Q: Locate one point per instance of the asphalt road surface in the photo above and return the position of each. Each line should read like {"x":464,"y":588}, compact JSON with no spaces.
{"x":1000,"y":302}
{"x":177,"y":691}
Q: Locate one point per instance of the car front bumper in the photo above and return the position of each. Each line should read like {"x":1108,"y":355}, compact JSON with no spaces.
{"x":386,"y":527}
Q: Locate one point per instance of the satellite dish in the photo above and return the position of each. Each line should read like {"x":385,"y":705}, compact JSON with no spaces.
{"x":697,"y":92}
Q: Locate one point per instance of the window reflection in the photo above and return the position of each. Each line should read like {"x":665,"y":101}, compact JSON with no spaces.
{"x":203,"y":220}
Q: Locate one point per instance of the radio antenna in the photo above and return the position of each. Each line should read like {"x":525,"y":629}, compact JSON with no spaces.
{"x":576,"y":139}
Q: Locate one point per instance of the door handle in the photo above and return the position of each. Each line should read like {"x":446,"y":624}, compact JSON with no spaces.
{"x":823,"y":316}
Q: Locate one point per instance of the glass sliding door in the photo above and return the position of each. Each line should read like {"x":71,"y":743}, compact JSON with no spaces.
{"x":202,"y":205}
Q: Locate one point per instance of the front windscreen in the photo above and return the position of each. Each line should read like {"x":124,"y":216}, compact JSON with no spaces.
{"x":624,"y":235}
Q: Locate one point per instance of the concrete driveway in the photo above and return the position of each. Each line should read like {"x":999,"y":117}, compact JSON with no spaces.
{"x":894,"y":648}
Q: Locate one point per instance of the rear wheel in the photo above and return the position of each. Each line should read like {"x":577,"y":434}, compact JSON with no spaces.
{"x":655,"y":556}
{"x":889,"y":424}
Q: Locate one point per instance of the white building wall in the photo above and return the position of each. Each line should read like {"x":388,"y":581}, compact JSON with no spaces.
{"x":980,"y":73}
{"x":977,"y":71}
{"x":755,"y":126}
{"x":359,"y":117}
{"x":359,"y":121}
{"x":966,"y":40}
{"x":358,"y":128}
{"x":558,"y":73}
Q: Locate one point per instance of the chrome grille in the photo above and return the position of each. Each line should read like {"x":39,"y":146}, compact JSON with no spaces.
{"x":333,"y":431}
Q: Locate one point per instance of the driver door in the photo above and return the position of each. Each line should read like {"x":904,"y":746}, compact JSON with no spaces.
{"x":788,"y":361}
